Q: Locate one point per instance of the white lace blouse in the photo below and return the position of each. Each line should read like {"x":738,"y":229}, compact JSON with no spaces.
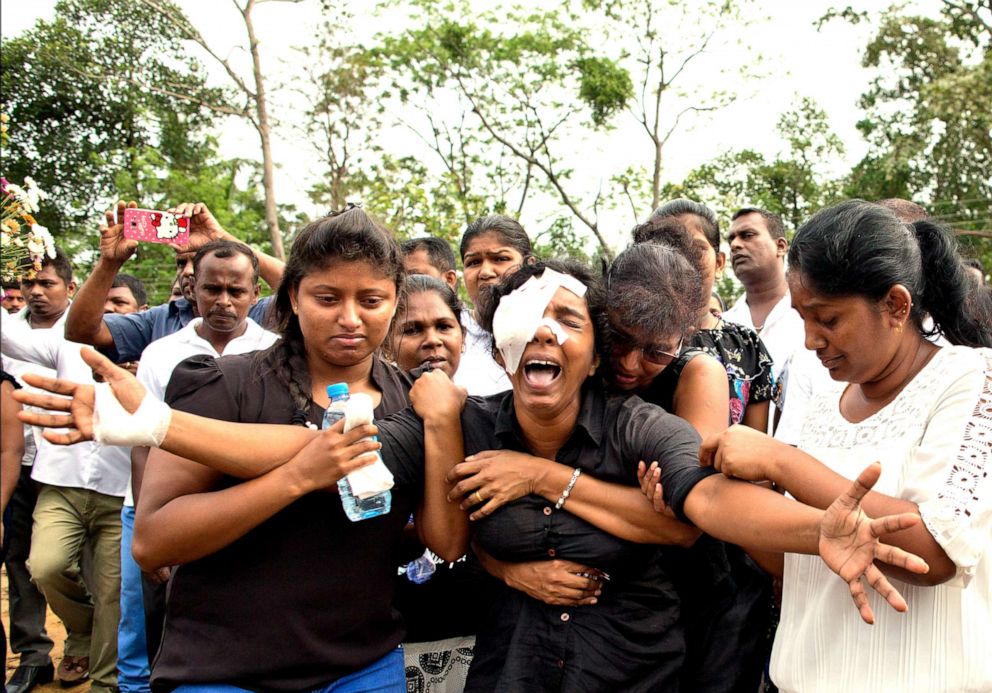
{"x":935,"y":444}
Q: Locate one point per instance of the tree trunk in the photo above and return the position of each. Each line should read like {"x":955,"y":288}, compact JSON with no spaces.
{"x":262,"y":125}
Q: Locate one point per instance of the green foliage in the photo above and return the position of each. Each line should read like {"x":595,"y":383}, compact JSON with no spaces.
{"x":792,"y":184}
{"x":604,"y":86}
{"x":104,"y":109}
{"x":927,"y":116}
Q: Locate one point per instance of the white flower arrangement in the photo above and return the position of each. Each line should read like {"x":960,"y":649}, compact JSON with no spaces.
{"x":23,"y":241}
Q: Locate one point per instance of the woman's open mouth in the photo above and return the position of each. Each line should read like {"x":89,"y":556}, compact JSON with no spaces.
{"x":541,"y":373}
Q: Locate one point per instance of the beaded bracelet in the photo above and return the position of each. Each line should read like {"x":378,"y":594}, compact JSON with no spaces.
{"x":568,"y":489}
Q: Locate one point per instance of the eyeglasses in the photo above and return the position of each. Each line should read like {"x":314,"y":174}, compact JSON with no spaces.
{"x":621,"y":344}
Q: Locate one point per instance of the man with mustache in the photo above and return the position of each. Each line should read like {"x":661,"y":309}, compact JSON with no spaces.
{"x":74,"y":555}
{"x":757,"y":254}
{"x":225,"y":287}
{"x":758,"y":247}
{"x":123,"y":337}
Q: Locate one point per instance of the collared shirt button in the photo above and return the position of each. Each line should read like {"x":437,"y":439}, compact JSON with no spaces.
{"x":561,"y":663}
{"x":547,"y":511}
{"x":565,"y":616}
{"x":552,"y":553}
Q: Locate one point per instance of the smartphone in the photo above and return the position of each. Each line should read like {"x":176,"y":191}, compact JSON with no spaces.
{"x":154,"y":226}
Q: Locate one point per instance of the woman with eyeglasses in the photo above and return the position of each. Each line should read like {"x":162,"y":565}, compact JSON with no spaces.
{"x":656,"y":296}
{"x":746,"y":360}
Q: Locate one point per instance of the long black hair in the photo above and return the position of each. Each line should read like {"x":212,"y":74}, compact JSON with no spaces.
{"x":351,"y":235}
{"x":858,"y":248}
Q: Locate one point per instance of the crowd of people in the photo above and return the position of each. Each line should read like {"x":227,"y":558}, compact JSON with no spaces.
{"x":603,"y":479}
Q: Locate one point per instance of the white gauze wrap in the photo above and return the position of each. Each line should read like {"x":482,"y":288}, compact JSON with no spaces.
{"x":521,"y":312}
{"x":376,"y":477}
{"x":113,"y":425}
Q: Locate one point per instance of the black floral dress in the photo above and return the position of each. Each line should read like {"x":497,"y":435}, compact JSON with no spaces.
{"x":744,"y":356}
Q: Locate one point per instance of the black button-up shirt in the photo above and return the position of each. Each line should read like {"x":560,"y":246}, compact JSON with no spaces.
{"x":630,"y":639}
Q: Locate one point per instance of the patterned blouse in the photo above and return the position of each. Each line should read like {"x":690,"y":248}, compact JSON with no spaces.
{"x":747,"y":362}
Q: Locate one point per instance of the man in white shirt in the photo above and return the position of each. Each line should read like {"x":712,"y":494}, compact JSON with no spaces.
{"x":49,"y":292}
{"x":81,"y":488}
{"x":225,"y":286}
{"x":757,"y":253}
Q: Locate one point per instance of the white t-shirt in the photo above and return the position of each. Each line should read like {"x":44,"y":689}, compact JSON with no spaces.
{"x":799,"y":372}
{"x":478,"y":371}
{"x":161,"y":357}
{"x":15,"y":367}
{"x":88,"y":465}
{"x":935,"y":444}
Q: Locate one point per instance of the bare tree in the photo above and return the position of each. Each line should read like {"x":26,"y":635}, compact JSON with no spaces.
{"x":666,"y":39}
{"x":255,"y":109}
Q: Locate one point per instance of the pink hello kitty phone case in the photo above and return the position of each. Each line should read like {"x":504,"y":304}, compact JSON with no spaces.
{"x":153,"y":226}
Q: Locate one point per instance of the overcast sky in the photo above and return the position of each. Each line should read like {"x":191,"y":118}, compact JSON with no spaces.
{"x":800,"y":60}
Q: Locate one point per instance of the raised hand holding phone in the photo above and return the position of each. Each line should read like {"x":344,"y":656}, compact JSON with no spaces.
{"x":155,"y":226}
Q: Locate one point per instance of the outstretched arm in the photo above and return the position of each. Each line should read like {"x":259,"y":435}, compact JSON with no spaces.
{"x":240,"y":450}
{"x":85,"y":324}
{"x":743,"y":453}
{"x":845,"y":538}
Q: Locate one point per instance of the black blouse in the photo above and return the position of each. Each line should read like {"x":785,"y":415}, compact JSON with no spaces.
{"x":629,"y":640}
{"x":306,"y":597}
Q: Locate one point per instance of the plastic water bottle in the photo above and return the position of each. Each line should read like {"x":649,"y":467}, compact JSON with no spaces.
{"x":420,"y":570}
{"x":355,"y":508}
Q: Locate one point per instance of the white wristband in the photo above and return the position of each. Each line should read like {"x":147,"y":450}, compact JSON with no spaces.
{"x":113,"y":425}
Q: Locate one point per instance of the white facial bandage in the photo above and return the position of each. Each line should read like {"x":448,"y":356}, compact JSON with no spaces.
{"x":521,"y":313}
{"x":113,"y":425}
{"x":376,"y":477}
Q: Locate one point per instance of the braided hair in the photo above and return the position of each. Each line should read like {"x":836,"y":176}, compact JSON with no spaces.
{"x":351,"y":235}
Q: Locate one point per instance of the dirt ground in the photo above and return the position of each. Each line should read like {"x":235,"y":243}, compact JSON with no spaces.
{"x":56,"y":631}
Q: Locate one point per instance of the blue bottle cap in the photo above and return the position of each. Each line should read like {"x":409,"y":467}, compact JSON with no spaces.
{"x":337,"y":390}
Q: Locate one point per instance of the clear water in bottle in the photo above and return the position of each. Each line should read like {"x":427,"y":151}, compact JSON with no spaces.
{"x":355,"y":508}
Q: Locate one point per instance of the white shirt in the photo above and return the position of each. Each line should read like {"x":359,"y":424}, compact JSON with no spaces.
{"x":90,"y":465}
{"x":17,"y":368}
{"x":478,"y":371}
{"x":935,"y":444}
{"x":161,"y":357}
{"x":799,"y":372}
{"x":783,"y":332}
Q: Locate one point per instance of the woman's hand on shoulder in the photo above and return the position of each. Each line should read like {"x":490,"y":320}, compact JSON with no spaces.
{"x":435,"y":397}
{"x":741,"y":452}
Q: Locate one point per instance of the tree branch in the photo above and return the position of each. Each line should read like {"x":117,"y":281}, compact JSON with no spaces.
{"x":192,"y":34}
